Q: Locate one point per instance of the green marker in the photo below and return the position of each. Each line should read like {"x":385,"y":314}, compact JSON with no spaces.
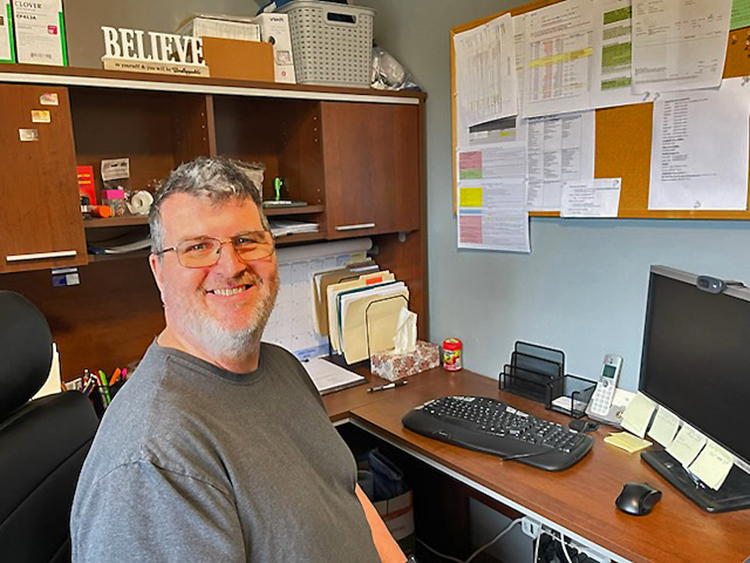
{"x":105,"y":388}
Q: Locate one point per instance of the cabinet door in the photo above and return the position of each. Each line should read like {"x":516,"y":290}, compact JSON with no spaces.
{"x":40,"y":218}
{"x":371,"y":164}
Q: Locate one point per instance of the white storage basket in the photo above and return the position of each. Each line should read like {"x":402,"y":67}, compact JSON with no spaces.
{"x":332,"y":43}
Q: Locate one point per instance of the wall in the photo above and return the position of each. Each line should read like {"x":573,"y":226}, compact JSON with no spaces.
{"x":84,"y":18}
{"x":583,"y":287}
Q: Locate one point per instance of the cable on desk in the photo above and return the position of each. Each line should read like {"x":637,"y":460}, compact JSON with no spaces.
{"x":563,"y":542}
{"x":479,"y":550}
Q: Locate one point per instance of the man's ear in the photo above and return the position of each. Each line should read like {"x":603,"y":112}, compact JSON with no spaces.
{"x":156,"y":269}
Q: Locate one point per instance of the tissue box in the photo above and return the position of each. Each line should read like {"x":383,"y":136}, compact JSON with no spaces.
{"x":391,"y":365}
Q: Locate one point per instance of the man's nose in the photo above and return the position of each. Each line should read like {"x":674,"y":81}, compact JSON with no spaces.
{"x":229,"y":261}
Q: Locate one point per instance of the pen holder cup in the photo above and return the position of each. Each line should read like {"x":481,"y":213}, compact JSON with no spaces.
{"x":569,"y":395}
{"x":524,"y":382}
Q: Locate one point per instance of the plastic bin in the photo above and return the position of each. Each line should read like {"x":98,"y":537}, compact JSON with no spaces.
{"x":331,"y":43}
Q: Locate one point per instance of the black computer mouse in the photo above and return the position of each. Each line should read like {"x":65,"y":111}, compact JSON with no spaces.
{"x":638,"y":498}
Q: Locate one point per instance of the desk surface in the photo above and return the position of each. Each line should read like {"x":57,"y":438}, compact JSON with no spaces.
{"x":580,"y":499}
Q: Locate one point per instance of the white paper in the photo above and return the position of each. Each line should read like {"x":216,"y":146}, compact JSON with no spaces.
{"x":53,"y":383}
{"x":492,"y":215}
{"x":686,"y":445}
{"x":712,"y":465}
{"x":637,"y":415}
{"x":485,"y":72}
{"x":519,"y":42}
{"x":679,"y":44}
{"x":665,"y":427}
{"x":115,"y":169}
{"x":5,"y":32}
{"x":39,"y":33}
{"x":591,"y":198}
{"x":558,"y":51}
{"x":699,"y":153}
{"x":494,"y":160}
{"x":611,"y":67}
{"x":560,"y":148}
{"x":329,"y":377}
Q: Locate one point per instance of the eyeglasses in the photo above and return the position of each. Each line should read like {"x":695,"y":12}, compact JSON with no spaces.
{"x":205,"y":251}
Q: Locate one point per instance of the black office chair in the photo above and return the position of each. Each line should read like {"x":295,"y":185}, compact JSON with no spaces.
{"x":43,"y":442}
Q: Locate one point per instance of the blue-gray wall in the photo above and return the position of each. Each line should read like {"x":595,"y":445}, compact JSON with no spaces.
{"x":583,"y":287}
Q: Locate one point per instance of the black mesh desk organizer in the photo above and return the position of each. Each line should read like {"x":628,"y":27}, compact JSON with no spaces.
{"x":538,"y":373}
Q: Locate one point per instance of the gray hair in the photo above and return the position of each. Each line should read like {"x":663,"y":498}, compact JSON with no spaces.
{"x":218,"y":179}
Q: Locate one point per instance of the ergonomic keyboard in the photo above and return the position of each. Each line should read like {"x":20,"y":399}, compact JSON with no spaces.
{"x":491,"y":426}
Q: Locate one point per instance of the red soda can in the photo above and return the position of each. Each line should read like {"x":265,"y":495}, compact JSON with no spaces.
{"x":452,"y":349}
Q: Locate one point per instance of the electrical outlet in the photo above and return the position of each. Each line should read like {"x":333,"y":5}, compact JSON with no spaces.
{"x":530,"y":527}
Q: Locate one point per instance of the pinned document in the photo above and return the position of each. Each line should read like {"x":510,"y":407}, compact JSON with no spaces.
{"x":591,"y":198}
{"x":638,"y":414}
{"x":712,"y":465}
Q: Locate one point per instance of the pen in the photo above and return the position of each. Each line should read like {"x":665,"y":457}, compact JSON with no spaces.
{"x":388,"y":386}
{"x":105,"y":388}
{"x":114,"y":377}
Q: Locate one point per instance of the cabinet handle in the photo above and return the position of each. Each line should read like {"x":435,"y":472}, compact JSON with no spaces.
{"x":41,"y":255}
{"x":355,"y":227}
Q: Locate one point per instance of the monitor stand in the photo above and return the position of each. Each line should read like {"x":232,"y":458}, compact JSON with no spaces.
{"x":734,"y":494}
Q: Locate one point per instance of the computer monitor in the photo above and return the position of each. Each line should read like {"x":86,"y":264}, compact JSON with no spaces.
{"x":696,"y":363}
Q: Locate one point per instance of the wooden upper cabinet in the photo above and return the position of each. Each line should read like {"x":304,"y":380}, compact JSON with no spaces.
{"x":40,"y":218}
{"x":371,"y":161}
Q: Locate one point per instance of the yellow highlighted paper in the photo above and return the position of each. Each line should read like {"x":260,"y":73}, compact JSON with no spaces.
{"x":627,"y":442}
{"x":471,"y":197}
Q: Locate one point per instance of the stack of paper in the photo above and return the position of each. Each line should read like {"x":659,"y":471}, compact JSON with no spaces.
{"x":282,"y":228}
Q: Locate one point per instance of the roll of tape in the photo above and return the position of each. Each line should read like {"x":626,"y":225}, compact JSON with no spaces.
{"x":140,"y":202}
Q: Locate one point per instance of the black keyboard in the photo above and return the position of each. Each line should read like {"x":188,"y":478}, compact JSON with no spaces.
{"x":491,"y":426}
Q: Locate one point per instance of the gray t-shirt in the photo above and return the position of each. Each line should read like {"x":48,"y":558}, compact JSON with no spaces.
{"x":194,"y":463}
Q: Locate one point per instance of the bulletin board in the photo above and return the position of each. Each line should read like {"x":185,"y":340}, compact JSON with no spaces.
{"x":625,"y":126}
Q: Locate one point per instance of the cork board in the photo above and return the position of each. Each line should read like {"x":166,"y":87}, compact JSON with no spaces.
{"x":625,"y":126}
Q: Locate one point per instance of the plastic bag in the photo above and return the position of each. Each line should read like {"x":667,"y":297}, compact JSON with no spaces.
{"x":388,"y":73}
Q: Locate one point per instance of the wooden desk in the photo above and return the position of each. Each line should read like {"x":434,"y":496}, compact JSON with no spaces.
{"x":580,"y":499}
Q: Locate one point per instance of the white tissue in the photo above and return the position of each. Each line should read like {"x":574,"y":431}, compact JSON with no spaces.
{"x":405,"y":340}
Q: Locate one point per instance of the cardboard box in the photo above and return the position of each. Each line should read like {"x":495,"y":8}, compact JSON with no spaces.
{"x":221,"y":27}
{"x":274,"y":29}
{"x":238,"y":60}
{"x":40,"y":32}
{"x":391,"y":365}
{"x":398,"y":515}
{"x":7,"y":51}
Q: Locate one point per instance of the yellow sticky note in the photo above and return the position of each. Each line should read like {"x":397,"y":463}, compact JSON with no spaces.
{"x":665,"y":427}
{"x":712,"y":465}
{"x":627,"y":442}
{"x":41,"y":116}
{"x":637,"y":415}
{"x":686,"y":445}
{"x":471,"y":197}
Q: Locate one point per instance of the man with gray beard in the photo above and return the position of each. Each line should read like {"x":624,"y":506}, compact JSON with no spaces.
{"x":218,"y":448}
